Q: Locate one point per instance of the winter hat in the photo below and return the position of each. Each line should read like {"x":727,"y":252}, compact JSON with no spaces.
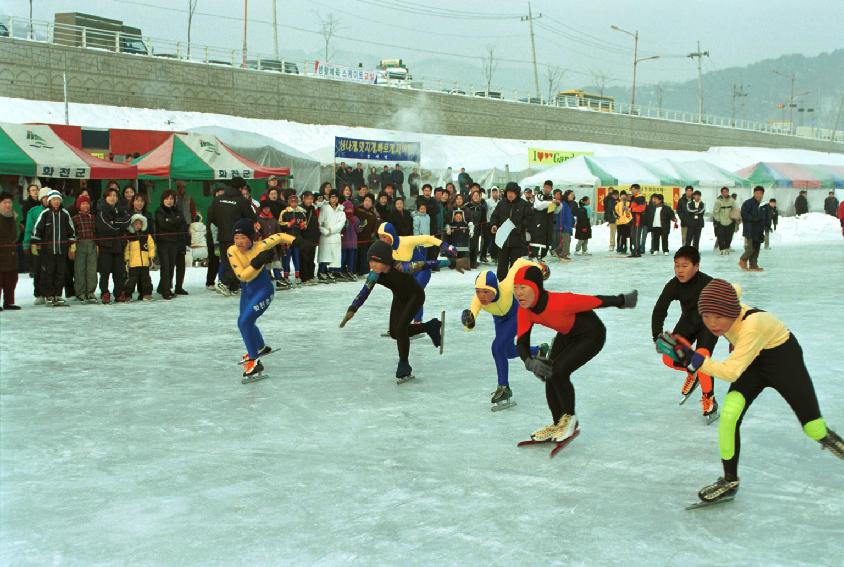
{"x":512,"y":186}
{"x":489,"y":281}
{"x":82,"y":199}
{"x":719,"y":297}
{"x":380,"y":252}
{"x":388,"y":229}
{"x":53,"y":194}
{"x":266,"y":212}
{"x":530,"y":276}
{"x":245,"y":227}
{"x":237,"y":182}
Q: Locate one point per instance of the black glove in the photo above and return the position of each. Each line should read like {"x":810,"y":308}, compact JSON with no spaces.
{"x":630,"y":299}
{"x":303,"y":245}
{"x":264,"y":257}
{"x":541,"y":367}
{"x":460,"y":264}
{"x":468,"y":319}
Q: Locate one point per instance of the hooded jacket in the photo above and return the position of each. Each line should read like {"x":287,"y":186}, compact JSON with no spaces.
{"x":140,"y":248}
{"x":503,"y":305}
{"x":519,"y":213}
{"x":53,"y":231}
{"x":111,"y":226}
{"x":226,"y":210}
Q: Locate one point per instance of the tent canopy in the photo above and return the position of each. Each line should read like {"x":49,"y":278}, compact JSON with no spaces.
{"x":702,"y":173}
{"x":200,"y":157}
{"x":268,"y":152}
{"x":36,"y":150}
{"x":793,"y":175}
{"x":581,"y":170}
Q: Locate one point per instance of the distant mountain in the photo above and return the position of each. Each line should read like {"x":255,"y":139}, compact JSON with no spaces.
{"x":821,"y":76}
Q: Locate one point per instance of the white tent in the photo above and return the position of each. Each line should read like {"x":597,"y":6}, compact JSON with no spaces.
{"x":580,"y":170}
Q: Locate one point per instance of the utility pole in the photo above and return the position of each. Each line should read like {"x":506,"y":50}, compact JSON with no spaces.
{"x":245,"y":27}
{"x":31,"y":28}
{"x":275,"y":30}
{"x":699,"y":55}
{"x":791,"y":103}
{"x":529,"y":19}
{"x":636,"y":61}
{"x":837,"y":119}
{"x":738,"y":92}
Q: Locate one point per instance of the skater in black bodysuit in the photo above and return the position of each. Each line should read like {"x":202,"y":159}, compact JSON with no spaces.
{"x":408,"y":297}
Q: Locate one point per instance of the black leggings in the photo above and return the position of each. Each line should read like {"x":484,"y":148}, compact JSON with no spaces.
{"x":401,"y":314}
{"x":568,"y":353}
{"x":781,"y":368}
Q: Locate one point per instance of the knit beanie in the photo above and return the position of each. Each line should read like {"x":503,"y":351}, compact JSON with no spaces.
{"x":530,"y":276}
{"x":512,"y":186}
{"x":54,"y":195}
{"x":380,"y":252}
{"x":245,"y":227}
{"x":719,"y":297}
{"x":82,"y":199}
{"x":43,"y":192}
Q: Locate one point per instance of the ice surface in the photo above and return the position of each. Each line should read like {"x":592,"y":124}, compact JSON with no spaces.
{"x":127,"y":438}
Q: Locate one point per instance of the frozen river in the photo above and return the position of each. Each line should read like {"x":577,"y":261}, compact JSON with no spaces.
{"x":127,"y":438}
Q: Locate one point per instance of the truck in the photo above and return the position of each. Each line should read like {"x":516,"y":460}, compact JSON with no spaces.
{"x":86,"y":30}
{"x":393,"y":71}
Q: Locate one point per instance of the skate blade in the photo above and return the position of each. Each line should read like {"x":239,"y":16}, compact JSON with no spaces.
{"x":713,"y":417}
{"x":405,"y":379}
{"x":706,"y":504}
{"x":531,"y":442}
{"x":562,"y":444}
{"x":502,"y":405}
{"x":685,"y":398}
{"x":254,"y":378}
{"x":386,"y":335}
{"x":442,"y":331}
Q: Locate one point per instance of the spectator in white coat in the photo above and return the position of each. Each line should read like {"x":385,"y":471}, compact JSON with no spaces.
{"x":332,"y":219}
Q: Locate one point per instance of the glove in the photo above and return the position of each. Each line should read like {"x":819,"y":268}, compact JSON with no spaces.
{"x":467,"y":319}
{"x":448,"y":229}
{"x":680,"y":350}
{"x":291,"y":223}
{"x":541,"y":367}
{"x":264,"y":257}
{"x":350,"y":312}
{"x":448,"y":249}
{"x":493,"y":229}
{"x":630,"y":299}
{"x":71,"y":253}
{"x":301,"y":225}
{"x":34,"y":249}
{"x":303,"y":245}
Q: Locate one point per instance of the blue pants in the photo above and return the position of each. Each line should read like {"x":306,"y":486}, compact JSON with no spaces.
{"x":255,"y":298}
{"x":292,"y":252}
{"x":504,"y":345}
{"x":422,"y":278}
{"x":348,"y":259}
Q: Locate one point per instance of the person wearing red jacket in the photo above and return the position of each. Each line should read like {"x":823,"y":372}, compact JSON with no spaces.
{"x":580,"y":337}
{"x":841,"y":216}
{"x":638,"y":205}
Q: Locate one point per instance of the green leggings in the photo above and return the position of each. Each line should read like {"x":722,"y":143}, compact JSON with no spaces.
{"x":782,"y":368}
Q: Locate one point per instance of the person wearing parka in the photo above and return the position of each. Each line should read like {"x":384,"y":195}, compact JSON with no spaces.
{"x":53,"y":241}
{"x":8,"y":252}
{"x":368,"y":231}
{"x":169,"y":222}
{"x":722,"y":217}
{"x":754,"y":219}
{"x":518,"y":211}
{"x":138,"y":254}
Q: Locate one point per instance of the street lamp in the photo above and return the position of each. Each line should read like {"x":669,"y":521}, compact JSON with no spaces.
{"x":636,"y":61}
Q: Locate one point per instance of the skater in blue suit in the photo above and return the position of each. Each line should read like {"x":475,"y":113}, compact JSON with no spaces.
{"x":247,"y":259}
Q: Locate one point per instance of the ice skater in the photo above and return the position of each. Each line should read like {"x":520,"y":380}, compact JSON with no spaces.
{"x":496,"y":298}
{"x":764,"y":354}
{"x":408,"y":299}
{"x":685,"y":287}
{"x":580,"y":336}
{"x":248,"y":258}
{"x":412,"y":249}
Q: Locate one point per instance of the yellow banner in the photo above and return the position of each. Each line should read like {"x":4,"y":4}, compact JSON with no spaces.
{"x":537,"y":156}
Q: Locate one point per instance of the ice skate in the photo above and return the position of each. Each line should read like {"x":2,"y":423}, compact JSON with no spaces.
{"x":566,"y":429}
{"x":543,"y":434}
{"x":223,"y":289}
{"x":264,"y":351}
{"x":502,"y":398}
{"x":434,"y":328}
{"x":722,"y":490}
{"x":710,"y":408}
{"x":39,"y":301}
{"x":834,"y":443}
{"x":253,"y":371}
{"x":404,"y":372}
{"x":281,"y":286}
{"x":689,"y":386}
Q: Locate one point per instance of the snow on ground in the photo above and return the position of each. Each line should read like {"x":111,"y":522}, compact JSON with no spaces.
{"x":126,"y":436}
{"x":438,"y":151}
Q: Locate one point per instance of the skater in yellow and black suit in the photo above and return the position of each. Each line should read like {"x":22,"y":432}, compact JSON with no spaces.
{"x":765,"y":354}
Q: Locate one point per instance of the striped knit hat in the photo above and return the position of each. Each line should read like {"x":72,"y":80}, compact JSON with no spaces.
{"x":719,"y":297}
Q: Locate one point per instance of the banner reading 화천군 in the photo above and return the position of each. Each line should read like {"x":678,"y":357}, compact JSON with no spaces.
{"x":352,"y":148}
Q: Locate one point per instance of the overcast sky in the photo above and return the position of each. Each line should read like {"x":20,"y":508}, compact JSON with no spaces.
{"x":572,"y":35}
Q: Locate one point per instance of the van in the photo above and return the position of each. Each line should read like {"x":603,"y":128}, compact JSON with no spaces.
{"x":86,"y":30}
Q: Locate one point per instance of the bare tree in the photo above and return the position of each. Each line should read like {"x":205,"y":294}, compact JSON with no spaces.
{"x":191,"y":9}
{"x":489,"y":66}
{"x":554,"y":75}
{"x":600,"y":79}
{"x":329,"y":27}
{"x":658,"y":92}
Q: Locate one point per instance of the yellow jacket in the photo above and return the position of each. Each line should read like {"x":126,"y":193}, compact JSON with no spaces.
{"x":749,"y":337}
{"x":406,"y":244}
{"x":139,"y":252}
{"x":504,"y":290}
{"x":622,"y":211}
{"x":240,"y":261}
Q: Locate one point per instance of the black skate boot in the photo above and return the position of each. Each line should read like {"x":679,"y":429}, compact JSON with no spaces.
{"x":265,"y":350}
{"x":404,"y":372}
{"x":710,"y":408}
{"x":834,"y":443}
{"x":722,"y":490}
{"x":434,"y":328}
{"x":502,"y":398}
{"x":253,"y":370}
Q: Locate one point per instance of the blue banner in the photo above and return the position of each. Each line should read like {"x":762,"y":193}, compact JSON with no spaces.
{"x":352,"y":148}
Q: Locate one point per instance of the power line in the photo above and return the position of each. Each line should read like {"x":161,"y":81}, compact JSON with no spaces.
{"x":424,"y":10}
